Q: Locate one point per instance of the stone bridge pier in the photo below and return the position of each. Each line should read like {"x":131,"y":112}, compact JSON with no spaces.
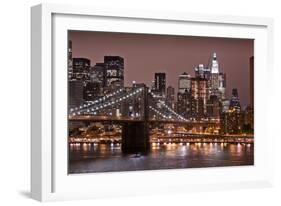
{"x":135,"y":135}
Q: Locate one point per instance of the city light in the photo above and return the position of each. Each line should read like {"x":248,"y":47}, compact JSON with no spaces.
{"x":195,"y":117}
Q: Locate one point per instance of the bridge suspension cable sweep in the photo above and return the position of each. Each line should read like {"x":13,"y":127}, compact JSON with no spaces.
{"x":178,"y":116}
{"x":96,"y":105}
{"x":118,"y":97}
{"x":89,"y":104}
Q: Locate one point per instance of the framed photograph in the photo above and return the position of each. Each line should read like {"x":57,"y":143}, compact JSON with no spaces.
{"x":133,"y":102}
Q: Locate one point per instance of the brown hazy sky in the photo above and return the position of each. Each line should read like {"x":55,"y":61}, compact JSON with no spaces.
{"x":145,"y":54}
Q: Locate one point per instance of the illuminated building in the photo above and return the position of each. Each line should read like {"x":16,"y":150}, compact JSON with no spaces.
{"x":249,"y":119}
{"x":184,"y":95}
{"x":97,"y":81}
{"x":184,"y":103}
{"x":234,"y":101}
{"x":170,"y":97}
{"x":184,"y":82}
{"x":75,"y":93}
{"x":92,"y":90}
{"x":217,"y":79}
{"x":160,"y":84}
{"x":251,"y":86}
{"x":202,"y":72}
{"x":69,"y":62}
{"x":213,"y":107}
{"x":97,"y":74}
{"x":225,"y":105}
{"x":114,"y":72}
{"x":232,"y":120}
{"x":199,"y":93}
{"x":81,"y":69}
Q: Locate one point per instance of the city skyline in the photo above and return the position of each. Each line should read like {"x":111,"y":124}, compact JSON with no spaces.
{"x":109,"y":44}
{"x":123,"y":116}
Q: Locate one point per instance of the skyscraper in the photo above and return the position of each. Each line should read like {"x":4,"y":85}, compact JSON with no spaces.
{"x":160,"y":84}
{"x":225,"y":105}
{"x":199,"y":92}
{"x":213,"y":107}
{"x":75,"y":93}
{"x":232,"y":120}
{"x":92,"y":90}
{"x":114,"y":72}
{"x":184,"y":95}
{"x":214,"y":64}
{"x":202,"y":72}
{"x":184,"y":104}
{"x":170,"y":97}
{"x":217,"y":79}
{"x":234,"y":101}
{"x":81,"y":69}
{"x":222,"y":86}
{"x":69,"y":63}
{"x":184,"y":83}
{"x":251,"y":86}
{"x":97,"y":74}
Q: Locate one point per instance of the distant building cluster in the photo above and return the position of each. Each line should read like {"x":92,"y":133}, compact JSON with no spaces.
{"x":203,"y":97}
{"x":94,"y":81}
{"x":198,"y":98}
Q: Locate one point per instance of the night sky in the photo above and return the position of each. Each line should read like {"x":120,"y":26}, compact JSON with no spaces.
{"x":145,"y":54}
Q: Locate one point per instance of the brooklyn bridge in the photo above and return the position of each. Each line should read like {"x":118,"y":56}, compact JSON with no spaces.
{"x":136,"y":110}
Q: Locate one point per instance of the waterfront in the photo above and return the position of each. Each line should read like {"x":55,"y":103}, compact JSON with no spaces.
{"x":180,"y":114}
{"x":93,"y":157}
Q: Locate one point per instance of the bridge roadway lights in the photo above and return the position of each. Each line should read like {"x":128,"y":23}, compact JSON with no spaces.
{"x":135,"y":138}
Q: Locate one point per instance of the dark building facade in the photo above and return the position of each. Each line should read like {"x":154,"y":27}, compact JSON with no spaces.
{"x":114,"y":72}
{"x":69,"y":62}
{"x":91,"y":91}
{"x":184,"y":104}
{"x":75,"y":93}
{"x":213,"y":107}
{"x":232,"y":122}
{"x":249,"y":119}
{"x":160,"y":84}
{"x":251,"y":82}
{"x":234,"y":101}
{"x":170,"y":97}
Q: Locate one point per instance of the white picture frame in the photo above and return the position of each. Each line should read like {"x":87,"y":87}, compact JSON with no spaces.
{"x":49,"y":178}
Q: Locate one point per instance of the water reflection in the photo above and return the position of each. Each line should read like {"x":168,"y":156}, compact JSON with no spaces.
{"x":93,"y":157}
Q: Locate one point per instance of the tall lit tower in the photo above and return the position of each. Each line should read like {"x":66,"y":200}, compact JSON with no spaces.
{"x":214,"y":66}
{"x":69,"y":62}
{"x":251,"y":82}
{"x":114,"y":72}
{"x":170,"y":97}
{"x":234,"y":101}
{"x":184,"y":95}
{"x":184,"y":83}
{"x":217,"y":79}
{"x":70,"y":54}
{"x":160,"y":84}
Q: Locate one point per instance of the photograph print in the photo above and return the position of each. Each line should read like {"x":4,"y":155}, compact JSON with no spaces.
{"x":149,"y":102}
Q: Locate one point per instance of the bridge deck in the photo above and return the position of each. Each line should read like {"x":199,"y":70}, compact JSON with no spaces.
{"x":131,"y":119}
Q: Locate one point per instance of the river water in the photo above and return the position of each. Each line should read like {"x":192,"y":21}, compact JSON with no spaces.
{"x":89,"y":158}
